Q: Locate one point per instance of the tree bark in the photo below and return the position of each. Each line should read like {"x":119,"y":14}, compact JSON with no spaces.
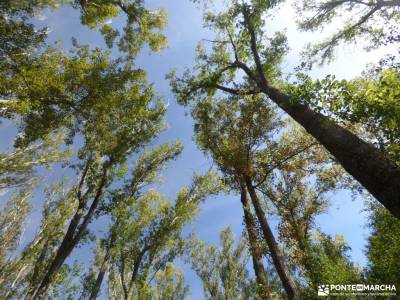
{"x":377,"y":173}
{"x":256,"y":252}
{"x":100,"y":275}
{"x":276,"y":254}
{"x":74,"y":234}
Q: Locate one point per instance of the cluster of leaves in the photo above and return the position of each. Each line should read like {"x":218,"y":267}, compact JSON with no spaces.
{"x":383,"y":246}
{"x":223,"y":271}
{"x":25,"y":271}
{"x":375,"y":21}
{"x":370,"y":101}
{"x":109,"y":105}
{"x":106,"y":103}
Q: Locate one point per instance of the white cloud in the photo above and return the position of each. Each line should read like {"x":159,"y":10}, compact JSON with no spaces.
{"x":40,"y":17}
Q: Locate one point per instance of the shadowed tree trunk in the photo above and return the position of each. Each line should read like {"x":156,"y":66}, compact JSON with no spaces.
{"x":256,"y":251}
{"x":103,"y":269}
{"x":277,"y":257}
{"x":76,"y":230}
{"x":377,"y":173}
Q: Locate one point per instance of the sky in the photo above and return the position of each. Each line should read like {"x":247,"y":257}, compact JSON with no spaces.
{"x":184,"y":31}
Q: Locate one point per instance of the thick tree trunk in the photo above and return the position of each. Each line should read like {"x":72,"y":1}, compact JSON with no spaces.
{"x":377,"y":173}
{"x":256,"y":252}
{"x":276,"y":254}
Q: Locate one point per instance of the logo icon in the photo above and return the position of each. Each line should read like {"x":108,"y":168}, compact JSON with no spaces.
{"x":360,"y":287}
{"x":323,"y":290}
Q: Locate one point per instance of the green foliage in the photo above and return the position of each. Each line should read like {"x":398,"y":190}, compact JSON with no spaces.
{"x":107,"y":104}
{"x":25,"y":270}
{"x":143,"y":25}
{"x":373,"y":21}
{"x":12,"y":220}
{"x":146,"y":234}
{"x":170,"y":284}
{"x":87,"y":93}
{"x":18,"y":168}
{"x":297,"y":192}
{"x":84,"y":91}
{"x":383,"y":247}
{"x":228,"y":63}
{"x":223,"y":271}
{"x":330,"y":264}
{"x":371,"y":101}
{"x":236,"y":132}
{"x":149,"y":165}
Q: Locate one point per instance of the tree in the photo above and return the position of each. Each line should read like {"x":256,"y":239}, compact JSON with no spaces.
{"x":383,"y":247}
{"x":143,"y":25}
{"x":18,"y":168}
{"x":255,"y":245}
{"x":297,"y":192}
{"x":237,"y":131}
{"x":237,"y":47}
{"x":70,"y":91}
{"x":145,"y":232}
{"x":170,"y":284}
{"x":376,"y":21}
{"x":107,"y":103}
{"x":145,"y":172}
{"x":76,"y":93}
{"x":11,"y":223}
{"x":25,"y":270}
{"x":370,"y":102}
{"x":145,"y":236}
{"x":125,"y":121}
{"x":223,"y":271}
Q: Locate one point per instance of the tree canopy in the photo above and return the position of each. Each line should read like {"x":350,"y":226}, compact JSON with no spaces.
{"x":99,"y":200}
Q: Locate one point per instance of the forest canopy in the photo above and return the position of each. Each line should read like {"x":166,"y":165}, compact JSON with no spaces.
{"x":155,"y":150}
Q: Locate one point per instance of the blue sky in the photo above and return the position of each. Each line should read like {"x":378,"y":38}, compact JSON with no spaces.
{"x":184,"y":30}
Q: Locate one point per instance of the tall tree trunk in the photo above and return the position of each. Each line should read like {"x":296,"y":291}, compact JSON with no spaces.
{"x":103,"y":267}
{"x":35,"y":276}
{"x":377,"y":173}
{"x":15,"y":282}
{"x":276,"y":254}
{"x":100,"y":275}
{"x":73,"y":236}
{"x":256,"y":252}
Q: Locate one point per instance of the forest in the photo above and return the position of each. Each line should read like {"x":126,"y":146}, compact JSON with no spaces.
{"x":199,"y":149}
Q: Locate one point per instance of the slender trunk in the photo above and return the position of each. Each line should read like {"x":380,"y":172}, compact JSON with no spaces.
{"x":135,"y":272}
{"x":14,"y":284}
{"x":256,"y":252}
{"x":75,"y":232}
{"x":377,"y":173}
{"x":103,"y":268}
{"x":100,"y":275}
{"x":63,"y":251}
{"x":34,"y":278}
{"x":276,"y":254}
